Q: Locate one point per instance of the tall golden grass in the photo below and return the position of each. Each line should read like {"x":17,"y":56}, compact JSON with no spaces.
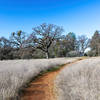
{"x":15,"y":73}
{"x":80,"y":81}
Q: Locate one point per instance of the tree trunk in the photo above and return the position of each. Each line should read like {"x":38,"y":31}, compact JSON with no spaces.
{"x":47,"y":55}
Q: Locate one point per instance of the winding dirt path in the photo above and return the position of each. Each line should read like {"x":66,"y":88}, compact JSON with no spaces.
{"x":43,"y":87}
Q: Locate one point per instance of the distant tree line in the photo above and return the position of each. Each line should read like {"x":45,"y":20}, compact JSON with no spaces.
{"x":48,"y":41}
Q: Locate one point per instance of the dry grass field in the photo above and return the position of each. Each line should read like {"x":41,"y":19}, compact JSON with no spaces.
{"x":80,"y":81}
{"x":15,"y":73}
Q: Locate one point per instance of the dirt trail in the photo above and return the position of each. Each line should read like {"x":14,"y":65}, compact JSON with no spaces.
{"x":43,"y":87}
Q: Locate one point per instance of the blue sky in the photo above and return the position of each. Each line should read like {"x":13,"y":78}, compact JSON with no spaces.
{"x":78,"y":16}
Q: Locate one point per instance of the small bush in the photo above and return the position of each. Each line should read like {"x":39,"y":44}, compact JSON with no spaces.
{"x":73,"y":54}
{"x":91,"y":53}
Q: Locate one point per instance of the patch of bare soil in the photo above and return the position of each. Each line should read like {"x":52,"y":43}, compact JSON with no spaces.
{"x":43,"y":87}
